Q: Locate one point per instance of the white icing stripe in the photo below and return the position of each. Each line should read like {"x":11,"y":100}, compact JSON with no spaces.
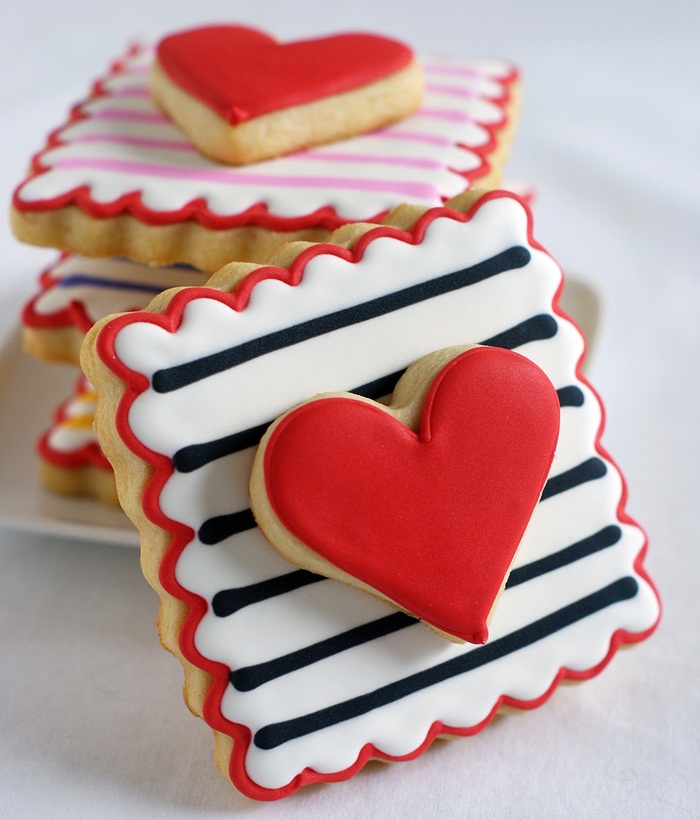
{"x":124,"y":144}
{"x":295,"y":620}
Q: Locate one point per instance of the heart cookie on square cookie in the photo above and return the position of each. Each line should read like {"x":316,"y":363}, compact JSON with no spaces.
{"x":442,"y":483}
{"x":303,"y":679}
{"x":242,"y":97}
{"x":120,"y":179}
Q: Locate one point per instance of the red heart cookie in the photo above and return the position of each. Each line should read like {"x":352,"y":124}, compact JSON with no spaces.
{"x":242,"y":73}
{"x":429,"y":520}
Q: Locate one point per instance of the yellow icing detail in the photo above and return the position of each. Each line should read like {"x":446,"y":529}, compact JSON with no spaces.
{"x":78,"y":422}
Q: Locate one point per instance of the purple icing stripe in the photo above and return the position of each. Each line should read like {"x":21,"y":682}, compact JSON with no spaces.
{"x":236,"y":177}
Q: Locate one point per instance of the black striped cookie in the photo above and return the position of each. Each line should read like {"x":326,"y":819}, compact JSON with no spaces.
{"x":311,"y":678}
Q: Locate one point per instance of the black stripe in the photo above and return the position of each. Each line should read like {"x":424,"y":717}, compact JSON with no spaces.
{"x":220,"y":527}
{"x":250,"y":677}
{"x":535,"y":329}
{"x":276,"y":734}
{"x":194,"y":456}
{"x":571,"y":396}
{"x":586,"y":471}
{"x":606,"y":537}
{"x":178,"y":376}
{"x":229,"y":601}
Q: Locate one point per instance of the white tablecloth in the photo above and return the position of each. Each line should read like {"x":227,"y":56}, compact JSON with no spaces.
{"x":92,"y":722}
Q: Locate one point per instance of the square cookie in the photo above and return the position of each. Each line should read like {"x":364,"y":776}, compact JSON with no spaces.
{"x":120,"y":179}
{"x":304,"y":679}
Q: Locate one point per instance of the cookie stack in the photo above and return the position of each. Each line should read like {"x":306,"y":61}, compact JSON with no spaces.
{"x":362,"y":382}
{"x":128,"y":190}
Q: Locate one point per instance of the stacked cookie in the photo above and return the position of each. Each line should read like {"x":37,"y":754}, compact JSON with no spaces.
{"x":136,"y":204}
{"x":335,"y":371}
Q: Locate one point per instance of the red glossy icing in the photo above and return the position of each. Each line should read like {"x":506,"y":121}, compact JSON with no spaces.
{"x":242,"y":73}
{"x":430,"y":519}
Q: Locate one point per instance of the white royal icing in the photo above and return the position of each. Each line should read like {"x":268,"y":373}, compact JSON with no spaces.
{"x":99,"y":287}
{"x":253,"y":393}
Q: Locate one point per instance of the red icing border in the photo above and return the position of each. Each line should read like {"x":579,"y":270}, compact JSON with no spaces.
{"x":89,"y":455}
{"x":72,"y":315}
{"x":267,"y":75}
{"x":182,"y":535}
{"x":197,"y":209}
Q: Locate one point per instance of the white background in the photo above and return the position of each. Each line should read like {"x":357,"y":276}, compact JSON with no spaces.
{"x":91,"y":719}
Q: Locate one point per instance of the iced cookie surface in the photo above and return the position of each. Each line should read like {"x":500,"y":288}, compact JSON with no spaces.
{"x":242,"y":96}
{"x":120,"y":179}
{"x":304,"y":679}
{"x":71,"y":460}
{"x":75,"y":291}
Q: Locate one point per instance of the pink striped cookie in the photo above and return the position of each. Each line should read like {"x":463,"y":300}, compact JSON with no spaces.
{"x":120,"y":179}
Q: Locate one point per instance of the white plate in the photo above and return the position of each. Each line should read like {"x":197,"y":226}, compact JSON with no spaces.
{"x":30,"y":391}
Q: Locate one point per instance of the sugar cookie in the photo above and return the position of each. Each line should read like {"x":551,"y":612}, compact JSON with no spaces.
{"x":74,"y":292}
{"x":71,"y":460}
{"x":352,"y":489}
{"x":242,"y":97}
{"x":304,"y":679}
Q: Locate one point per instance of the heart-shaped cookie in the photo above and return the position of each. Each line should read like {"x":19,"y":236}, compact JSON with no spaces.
{"x":212,"y":81}
{"x":422,"y":503}
{"x":243,"y":73}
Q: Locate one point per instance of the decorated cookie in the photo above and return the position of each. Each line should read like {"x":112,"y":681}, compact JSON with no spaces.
{"x":302,"y":678}
{"x":71,"y":460}
{"x":120,"y":179}
{"x":352,"y":489}
{"x":74,"y":292}
{"x":241,"y":96}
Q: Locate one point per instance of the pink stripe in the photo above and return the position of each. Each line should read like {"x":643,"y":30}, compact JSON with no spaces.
{"x":128,"y":116}
{"x":452,"y":90}
{"x":412,"y":136}
{"x":138,"y":69}
{"x":139,"y":142}
{"x":235,"y":177}
{"x":408,"y":162}
{"x":131,"y":91}
{"x":456,"y":71}
{"x":447,"y":114}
